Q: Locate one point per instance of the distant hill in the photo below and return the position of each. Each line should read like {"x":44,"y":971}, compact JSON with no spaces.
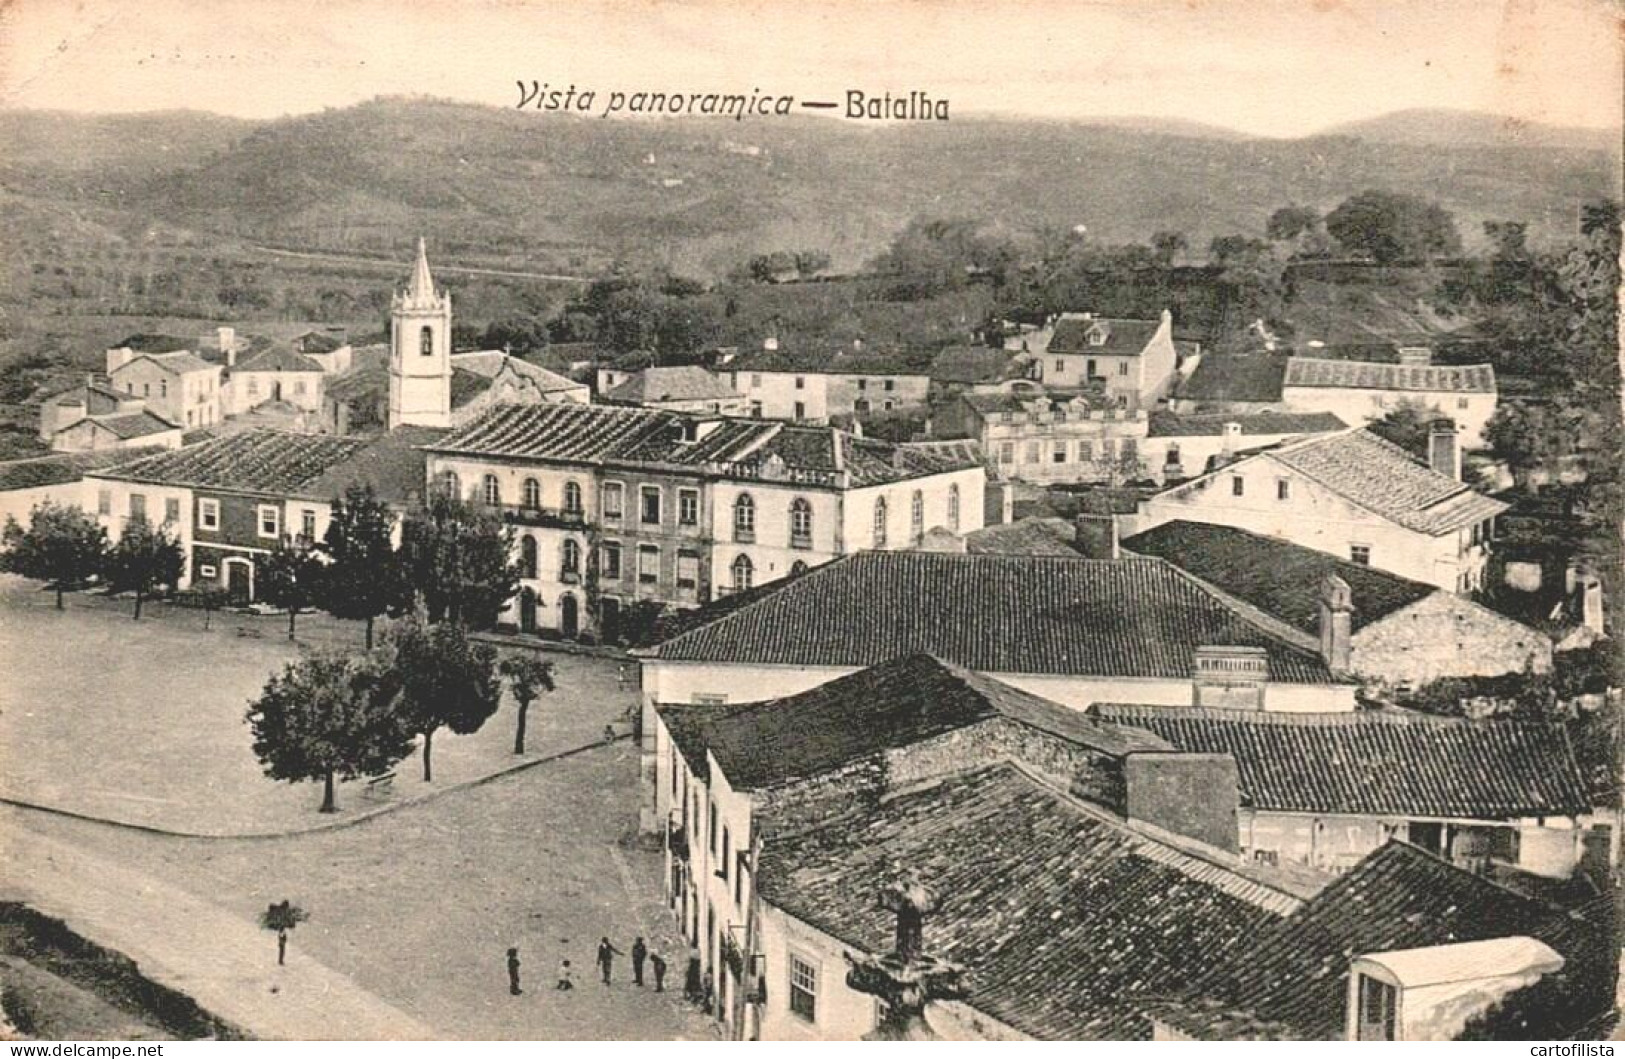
{"x":498,"y":185}
{"x":1466,"y":128}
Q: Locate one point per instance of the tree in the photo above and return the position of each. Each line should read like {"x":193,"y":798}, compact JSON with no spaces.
{"x":1289,"y":222}
{"x":362,"y":579}
{"x":290,"y":577}
{"x":528,"y":678}
{"x":1528,"y":436}
{"x":1408,"y":425}
{"x":329,"y":716}
{"x":458,"y":559}
{"x":62,"y":546}
{"x":282,"y":917}
{"x":516,"y":334}
{"x":811,"y":262}
{"x":1510,"y":239}
{"x":1230,"y":249}
{"x":1389,"y":226}
{"x":446,"y":680}
{"x":143,"y":560}
{"x":1169,"y":245}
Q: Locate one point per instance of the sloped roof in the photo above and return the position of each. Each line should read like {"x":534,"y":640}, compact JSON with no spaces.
{"x":490,"y":363}
{"x":1383,"y":763}
{"x":181,"y":363}
{"x":1169,"y":425}
{"x":993,"y":614}
{"x":1369,"y":375}
{"x":131,"y":424}
{"x":894,"y":704}
{"x":64,"y":467}
{"x":98,"y":398}
{"x":1278,"y":577}
{"x":146,"y":342}
{"x":1291,"y":979}
{"x":1124,"y":338}
{"x":1028,"y":536}
{"x":1065,"y":921}
{"x":1251,"y":378}
{"x":814,"y":358}
{"x":969,"y":365}
{"x":266,"y":462}
{"x":393,"y":464}
{"x":688,"y":382}
{"x":278,"y":359}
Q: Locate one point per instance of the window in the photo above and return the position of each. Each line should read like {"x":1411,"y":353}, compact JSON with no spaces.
{"x":1093,"y":369}
{"x":742,"y":573}
{"x":609,"y":557}
{"x":138,"y":506}
{"x":800,"y":523}
{"x":803,"y":988}
{"x":208,"y":514}
{"x":1238,"y":486}
{"x":1108,"y":449}
{"x":887,"y":406}
{"x":801,"y":411}
{"x":1060,"y":367}
{"x":172,"y":509}
{"x":570,"y":559}
{"x":1086,"y":451}
{"x":426,"y":342}
{"x":688,"y":507}
{"x":163,"y":387}
{"x":532,"y":493}
{"x":711,"y":826}
{"x":798,"y":568}
{"x":307,"y":524}
{"x":491,"y":489}
{"x":1131,"y":449}
{"x":270,"y":522}
{"x":648,"y":564}
{"x":104,"y":502}
{"x":1032,"y":452}
{"x":1461,"y":402}
{"x":614,"y":493}
{"x":1283,"y":489}
{"x":1122,"y":367}
{"x":688,"y":570}
{"x":1060,"y":452}
{"x":744,"y":518}
{"x":953,"y":508}
{"x":1360,"y":553}
{"x":916,"y":517}
{"x":880,"y":522}
{"x":253,"y":386}
{"x":861,"y":405}
{"x":650,"y":495}
{"x":756,"y":409}
{"x":207,"y":571}
{"x":755,"y":382}
{"x":727,"y":850}
{"x":1007,"y":452}
{"x":146,"y":389}
{"x":527,"y":557}
{"x":299,"y":387}
{"x":1377,"y":1005}
{"x":572,"y":498}
{"x":1172,"y":459}
{"x":863,"y":384}
{"x":450,"y":484}
{"x":801,"y":383}
{"x":891,"y":384}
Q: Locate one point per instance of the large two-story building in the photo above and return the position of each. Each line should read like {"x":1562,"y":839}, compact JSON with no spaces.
{"x":814,"y":384}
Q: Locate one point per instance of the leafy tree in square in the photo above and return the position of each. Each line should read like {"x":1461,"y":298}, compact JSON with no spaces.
{"x":290,"y":578}
{"x":458,"y":559}
{"x":144,"y":560}
{"x":329,"y":716}
{"x":362,"y":580}
{"x":62,"y":546}
{"x":446,"y":681}
{"x":528,"y":678}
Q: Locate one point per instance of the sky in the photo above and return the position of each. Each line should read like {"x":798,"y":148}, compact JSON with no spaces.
{"x":1265,"y":67}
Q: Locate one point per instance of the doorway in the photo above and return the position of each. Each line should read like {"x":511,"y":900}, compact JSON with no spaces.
{"x":569,"y":616}
{"x":239,"y":581}
{"x":527,"y":610}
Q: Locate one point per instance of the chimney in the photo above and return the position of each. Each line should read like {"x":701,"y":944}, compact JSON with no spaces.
{"x":1336,"y":622}
{"x":857,"y":344}
{"x":1230,"y":438}
{"x":1444,"y":454}
{"x":770,"y":343}
{"x":1587,"y":600}
{"x":227,"y":338}
{"x":1095,"y":536}
{"x":1415,"y":356}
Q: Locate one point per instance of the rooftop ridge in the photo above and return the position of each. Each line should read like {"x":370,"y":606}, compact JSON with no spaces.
{"x":1267,"y":623}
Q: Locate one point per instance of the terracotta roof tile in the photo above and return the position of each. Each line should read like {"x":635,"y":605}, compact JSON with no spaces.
{"x":1368,"y":375}
{"x":267,"y":462}
{"x":680,"y":383}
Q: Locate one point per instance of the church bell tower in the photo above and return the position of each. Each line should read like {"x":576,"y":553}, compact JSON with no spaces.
{"x":420,"y":352}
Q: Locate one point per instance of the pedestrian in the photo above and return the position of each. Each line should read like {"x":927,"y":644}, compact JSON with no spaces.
{"x":709,"y":992}
{"x":640,"y":952}
{"x":513,"y":973}
{"x":566,"y":976}
{"x":691,"y":979}
{"x":281,"y":947}
{"x":606,"y":957}
{"x":620,"y":674}
{"x":609,"y":733}
{"x":659,"y":967}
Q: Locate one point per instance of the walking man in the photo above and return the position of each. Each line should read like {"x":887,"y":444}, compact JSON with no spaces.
{"x":606,"y":957}
{"x":659,"y":967}
{"x":513,"y":973}
{"x":566,"y":976}
{"x":640,"y":952}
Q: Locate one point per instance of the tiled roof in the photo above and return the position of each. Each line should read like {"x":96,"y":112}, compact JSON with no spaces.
{"x":1280,"y":578}
{"x":993,"y":614}
{"x":1383,"y":478}
{"x":555,"y":431}
{"x":133,"y":424}
{"x":1253,"y":378}
{"x":1293,"y":976}
{"x":1029,"y":536}
{"x":267,"y":462}
{"x":1366,"y":375}
{"x":688,"y":382}
{"x":816,"y":359}
{"x":369,"y":381}
{"x":321,"y":341}
{"x":153,"y":343}
{"x":1169,"y":425}
{"x":278,"y":359}
{"x":491,"y":362}
{"x":1066,"y":922}
{"x":64,"y":467}
{"x":393,"y":464}
{"x":183,"y":363}
{"x":98,"y":398}
{"x":1018,"y":401}
{"x":969,"y":365}
{"x":894,"y":704}
{"x":1380,"y":762}
{"x":1124,"y":338}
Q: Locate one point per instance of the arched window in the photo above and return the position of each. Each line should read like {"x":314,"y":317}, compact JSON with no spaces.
{"x":426,"y":341}
{"x":916,"y":517}
{"x":572,"y":497}
{"x":450,"y":484}
{"x":527,"y":557}
{"x":570,"y":562}
{"x":533,"y":493}
{"x":491,"y":490}
{"x":798,"y":568}
{"x":953,"y":508}
{"x":880,"y":522}
{"x":742,"y":571}
{"x":800,"y":523}
{"x":744,"y":518}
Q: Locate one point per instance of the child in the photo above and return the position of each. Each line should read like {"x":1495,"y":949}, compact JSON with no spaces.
{"x":565,"y":976}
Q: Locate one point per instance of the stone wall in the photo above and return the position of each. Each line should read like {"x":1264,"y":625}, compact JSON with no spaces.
{"x":1444,"y":635}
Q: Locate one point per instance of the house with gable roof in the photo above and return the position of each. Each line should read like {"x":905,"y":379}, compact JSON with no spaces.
{"x":1360,"y":390}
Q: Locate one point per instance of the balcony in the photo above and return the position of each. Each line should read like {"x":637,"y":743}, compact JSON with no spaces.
{"x":555,"y":518}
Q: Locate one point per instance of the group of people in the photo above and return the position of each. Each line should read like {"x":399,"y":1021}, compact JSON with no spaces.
{"x":606,"y":966}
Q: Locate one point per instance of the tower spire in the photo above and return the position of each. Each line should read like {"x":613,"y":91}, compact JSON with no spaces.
{"x":422,"y":287}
